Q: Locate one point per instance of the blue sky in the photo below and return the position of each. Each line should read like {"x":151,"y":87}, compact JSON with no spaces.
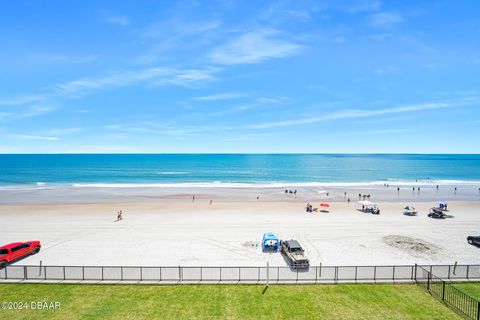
{"x":240,"y":76}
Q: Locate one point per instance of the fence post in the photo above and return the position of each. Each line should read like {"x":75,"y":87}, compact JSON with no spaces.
{"x":468,"y":267}
{"x":356,"y":273}
{"x":258,"y":274}
{"x":443,"y":290}
{"x":414,"y":272}
{"x":316,"y":274}
{"x":102,"y":273}
{"x":335,"y":277}
{"x":268,"y":274}
{"x":428,"y":281}
{"x":393,"y":275}
{"x":121,"y":273}
{"x":375,"y":274}
{"x":278,"y":274}
{"x":448,"y":271}
{"x":83,"y":273}
{"x":45,"y":273}
{"x":6,"y":275}
{"x":179,"y":274}
{"x":141,"y":273}
{"x":221,"y":274}
{"x":25,"y":272}
{"x":64,"y":273}
{"x":478,"y":310}
{"x":297,"y":277}
{"x":160,"y":274}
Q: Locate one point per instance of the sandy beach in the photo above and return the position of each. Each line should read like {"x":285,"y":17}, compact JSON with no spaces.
{"x":165,"y":228}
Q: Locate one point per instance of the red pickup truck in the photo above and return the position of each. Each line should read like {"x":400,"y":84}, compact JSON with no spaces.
{"x":14,"y":251}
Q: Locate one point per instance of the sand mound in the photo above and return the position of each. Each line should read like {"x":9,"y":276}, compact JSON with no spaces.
{"x":414,"y":246}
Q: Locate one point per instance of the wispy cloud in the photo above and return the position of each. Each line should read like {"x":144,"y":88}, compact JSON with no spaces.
{"x":247,"y":137}
{"x":172,"y":34}
{"x":220,"y":96}
{"x":117,"y":20}
{"x":386,"y":70}
{"x":63,"y":58}
{"x":254,"y":47}
{"x":385,"y":19}
{"x":33,"y":137}
{"x":354,"y":113}
{"x":151,"y":76}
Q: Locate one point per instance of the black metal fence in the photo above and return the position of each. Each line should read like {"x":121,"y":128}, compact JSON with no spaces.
{"x":448,"y":293}
{"x":179,"y":274}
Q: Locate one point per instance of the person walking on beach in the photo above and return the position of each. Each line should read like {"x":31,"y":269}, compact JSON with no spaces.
{"x":193,"y":198}
{"x":120,"y":215}
{"x":359,"y":196}
{"x":211,"y":202}
{"x":348,"y":200}
{"x":455,"y":190}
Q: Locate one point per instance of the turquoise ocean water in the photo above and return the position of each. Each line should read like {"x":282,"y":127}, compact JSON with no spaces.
{"x":219,"y":169}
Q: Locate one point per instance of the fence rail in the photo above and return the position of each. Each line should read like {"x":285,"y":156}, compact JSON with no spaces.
{"x":319,"y":274}
{"x":444,"y":290}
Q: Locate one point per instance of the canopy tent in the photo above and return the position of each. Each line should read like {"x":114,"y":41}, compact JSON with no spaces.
{"x":367,"y":203}
{"x":270,"y":242}
{"x":324,"y":204}
{"x":409,"y":208}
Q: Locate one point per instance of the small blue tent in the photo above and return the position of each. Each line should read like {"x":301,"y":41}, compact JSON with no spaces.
{"x":270,"y":242}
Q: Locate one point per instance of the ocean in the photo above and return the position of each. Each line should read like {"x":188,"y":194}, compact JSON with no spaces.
{"x":131,"y":170}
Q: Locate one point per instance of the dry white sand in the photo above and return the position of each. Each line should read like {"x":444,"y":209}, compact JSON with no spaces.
{"x":171,"y":232}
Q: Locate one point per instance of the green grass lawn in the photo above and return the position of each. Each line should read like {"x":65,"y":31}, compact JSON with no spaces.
{"x":357,"y":301}
{"x":470,"y":288}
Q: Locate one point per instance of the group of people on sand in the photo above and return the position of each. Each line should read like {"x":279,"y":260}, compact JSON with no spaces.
{"x":364,"y":197}
{"x":310,"y":208}
{"x":291,"y":191}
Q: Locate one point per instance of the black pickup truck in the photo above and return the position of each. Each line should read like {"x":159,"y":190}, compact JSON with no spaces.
{"x":474,"y":240}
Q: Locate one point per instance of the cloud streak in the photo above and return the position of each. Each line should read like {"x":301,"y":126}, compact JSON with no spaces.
{"x":158,"y":76}
{"x":33,"y":137}
{"x":254,"y":47}
{"x":220,"y":96}
{"x":385,"y":19}
{"x":351,"y":114}
{"x":117,"y":20}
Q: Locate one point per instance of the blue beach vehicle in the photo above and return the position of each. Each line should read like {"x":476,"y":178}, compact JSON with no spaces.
{"x":442,"y":205}
{"x":270,"y":242}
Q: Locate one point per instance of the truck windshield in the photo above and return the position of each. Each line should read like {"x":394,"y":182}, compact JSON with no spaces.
{"x":3,"y":251}
{"x":296,"y":249}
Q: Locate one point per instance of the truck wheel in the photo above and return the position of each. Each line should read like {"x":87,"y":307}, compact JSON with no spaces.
{"x":36,"y":250}
{"x":3,"y":264}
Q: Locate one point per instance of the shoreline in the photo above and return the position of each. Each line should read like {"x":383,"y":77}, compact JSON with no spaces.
{"x":72,"y":195}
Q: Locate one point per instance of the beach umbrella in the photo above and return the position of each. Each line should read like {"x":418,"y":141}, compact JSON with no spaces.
{"x":324,"y":204}
{"x":409,"y":208}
